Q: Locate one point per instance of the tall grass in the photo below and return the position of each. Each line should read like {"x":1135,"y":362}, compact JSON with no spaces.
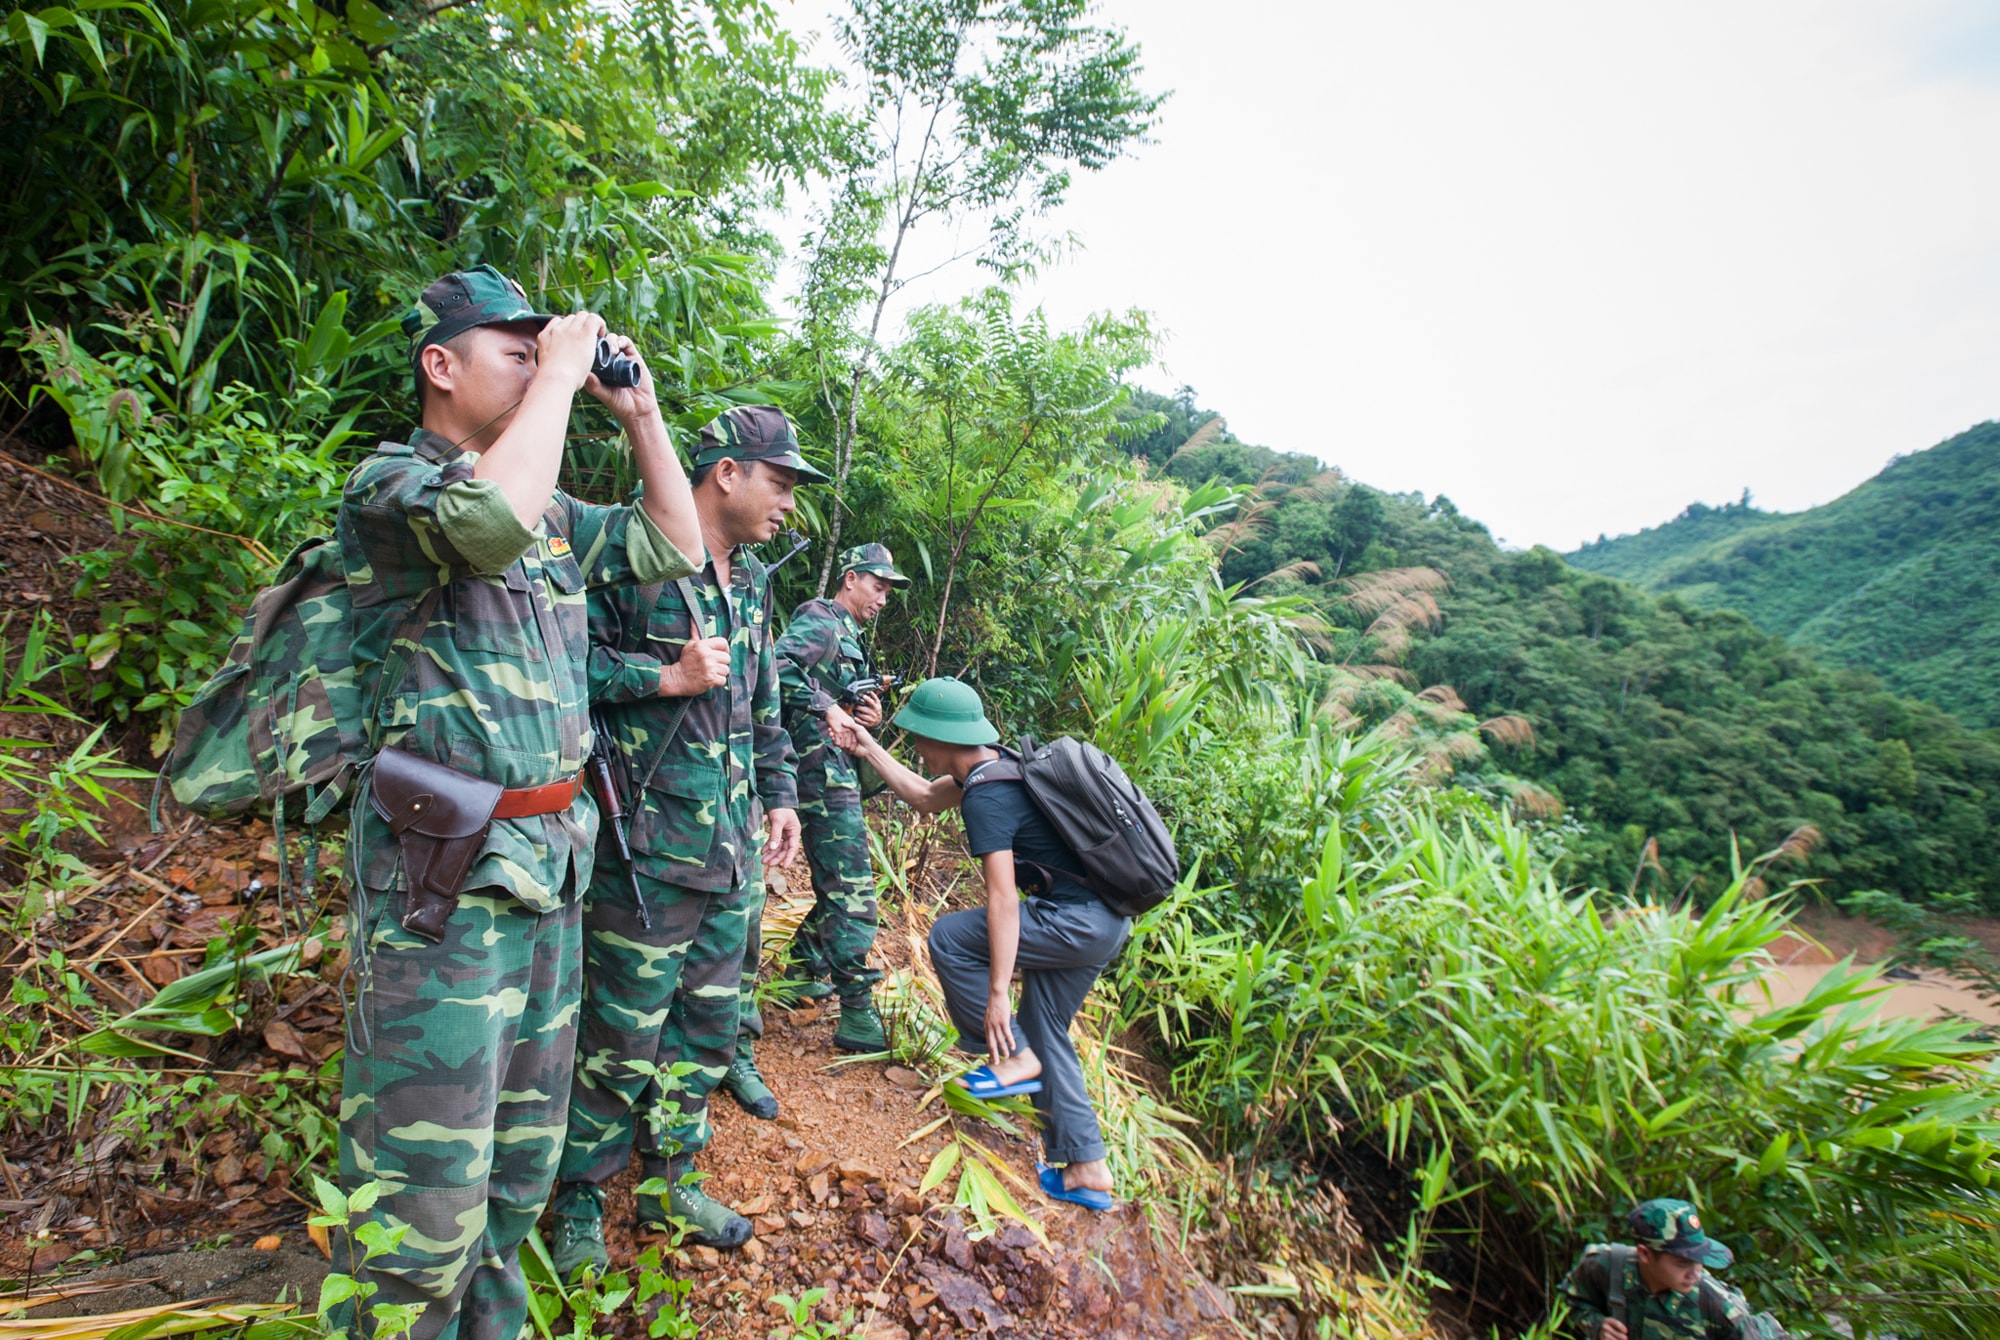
{"x":1376,"y":974}
{"x":1434,"y":995}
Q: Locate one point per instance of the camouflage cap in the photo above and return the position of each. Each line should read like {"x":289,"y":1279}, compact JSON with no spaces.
{"x":481,"y":296}
{"x":1673,"y":1226}
{"x":755,"y":433}
{"x":874,"y":558}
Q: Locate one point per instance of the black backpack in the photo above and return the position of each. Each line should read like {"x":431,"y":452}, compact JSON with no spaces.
{"x":1127,"y":854}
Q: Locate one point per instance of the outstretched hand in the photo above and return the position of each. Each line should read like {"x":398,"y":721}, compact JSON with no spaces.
{"x":845,"y":731}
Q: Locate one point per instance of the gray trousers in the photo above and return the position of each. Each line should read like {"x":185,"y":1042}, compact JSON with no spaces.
{"x":1063,"y":948}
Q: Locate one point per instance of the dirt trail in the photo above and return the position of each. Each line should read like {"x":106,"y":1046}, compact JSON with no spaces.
{"x":830,"y":1185}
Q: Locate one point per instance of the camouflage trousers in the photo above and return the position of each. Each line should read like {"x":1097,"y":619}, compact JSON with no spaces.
{"x":453,"y":1092}
{"x":653,"y":1000}
{"x":834,"y":939}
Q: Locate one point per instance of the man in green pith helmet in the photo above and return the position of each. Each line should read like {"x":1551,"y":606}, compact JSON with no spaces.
{"x":468,"y":569}
{"x":1061,"y":936}
{"x":1659,"y":1288}
{"x":822,"y":653}
{"x":686,"y":667}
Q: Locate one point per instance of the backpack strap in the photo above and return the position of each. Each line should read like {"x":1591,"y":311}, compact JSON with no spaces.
{"x":1007,"y":768}
{"x":1614,"y":1289}
{"x":697,"y":628}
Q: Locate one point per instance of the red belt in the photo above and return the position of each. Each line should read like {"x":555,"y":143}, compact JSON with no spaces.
{"x":531,"y":800}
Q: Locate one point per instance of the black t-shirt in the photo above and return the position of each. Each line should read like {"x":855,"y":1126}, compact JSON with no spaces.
{"x":1000,"y":816}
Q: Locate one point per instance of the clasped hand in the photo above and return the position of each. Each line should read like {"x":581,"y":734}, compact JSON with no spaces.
{"x":844,"y":730}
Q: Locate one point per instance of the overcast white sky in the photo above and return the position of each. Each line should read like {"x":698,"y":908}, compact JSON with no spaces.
{"x":1575,"y":264}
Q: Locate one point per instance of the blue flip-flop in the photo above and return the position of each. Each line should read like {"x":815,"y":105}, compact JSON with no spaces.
{"x":1052,"y":1184}
{"x":983,"y":1083}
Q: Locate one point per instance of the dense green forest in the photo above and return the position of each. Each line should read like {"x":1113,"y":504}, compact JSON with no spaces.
{"x":1404,"y":985}
{"x":1665,"y":728}
{"x":1900,"y":577}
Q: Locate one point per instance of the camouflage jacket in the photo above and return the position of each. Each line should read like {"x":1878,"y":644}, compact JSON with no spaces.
{"x":699,"y":823}
{"x":498,"y":689}
{"x":1713,"y":1311}
{"x":821,"y":649}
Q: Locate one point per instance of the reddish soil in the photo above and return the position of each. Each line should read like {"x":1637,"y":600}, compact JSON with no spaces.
{"x":832,"y":1188}
{"x":899,"y":1265}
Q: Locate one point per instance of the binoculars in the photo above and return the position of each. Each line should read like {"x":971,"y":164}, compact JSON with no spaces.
{"x":613,"y":368}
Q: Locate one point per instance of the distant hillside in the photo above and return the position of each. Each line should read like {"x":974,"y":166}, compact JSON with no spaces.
{"x":1665,"y":727}
{"x":1901,"y":577}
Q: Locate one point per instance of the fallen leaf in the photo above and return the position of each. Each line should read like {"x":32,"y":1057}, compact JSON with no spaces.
{"x":281,"y":1038}
{"x":319,"y":1240}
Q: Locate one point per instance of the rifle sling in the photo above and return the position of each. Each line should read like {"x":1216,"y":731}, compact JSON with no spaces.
{"x":649,"y":599}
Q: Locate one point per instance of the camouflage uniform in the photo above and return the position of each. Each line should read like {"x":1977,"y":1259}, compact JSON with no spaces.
{"x":670,"y":994}
{"x":1713,"y":1311}
{"x":459,"y":1053}
{"x":822,"y":652}
{"x":1710,"y":1311}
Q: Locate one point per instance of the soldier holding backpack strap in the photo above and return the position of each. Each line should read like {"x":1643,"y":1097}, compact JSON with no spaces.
{"x":686,"y":672}
{"x":1063,"y":823}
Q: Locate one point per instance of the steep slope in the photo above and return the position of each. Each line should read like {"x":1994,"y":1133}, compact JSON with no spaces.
{"x":1897,"y":577}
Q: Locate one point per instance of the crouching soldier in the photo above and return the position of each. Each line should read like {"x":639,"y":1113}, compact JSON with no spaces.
{"x":467,"y":569}
{"x":707,"y":767}
{"x":1659,"y":1288}
{"x":820,"y":657}
{"x":1060,"y":937}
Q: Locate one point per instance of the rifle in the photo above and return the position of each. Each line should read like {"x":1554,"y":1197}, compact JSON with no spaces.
{"x":799,"y":541}
{"x":604,"y":781}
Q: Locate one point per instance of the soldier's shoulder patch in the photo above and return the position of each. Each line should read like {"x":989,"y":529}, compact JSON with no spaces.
{"x":558,"y":546}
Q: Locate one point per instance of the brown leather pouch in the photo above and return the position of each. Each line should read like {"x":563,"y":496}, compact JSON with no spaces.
{"x":439,"y":816}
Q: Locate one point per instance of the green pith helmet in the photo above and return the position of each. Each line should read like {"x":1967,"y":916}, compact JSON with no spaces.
{"x":874,"y":558}
{"x":948,"y":711}
{"x":481,"y":296}
{"x":1673,"y":1226}
{"x":755,"y":433}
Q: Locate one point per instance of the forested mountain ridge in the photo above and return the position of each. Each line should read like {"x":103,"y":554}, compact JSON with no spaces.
{"x":1657,"y":721}
{"x":1900,"y":576}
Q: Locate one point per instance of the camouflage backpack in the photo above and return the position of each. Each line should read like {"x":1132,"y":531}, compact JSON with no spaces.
{"x":280,"y":729}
